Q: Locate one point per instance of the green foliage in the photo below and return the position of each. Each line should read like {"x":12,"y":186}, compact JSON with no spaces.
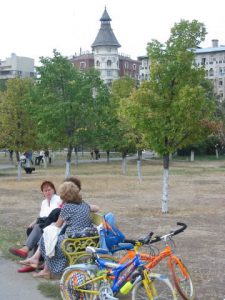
{"x":172,"y":108}
{"x":2,"y":85}
{"x":124,"y":137}
{"x":17,"y":127}
{"x":67,"y":103}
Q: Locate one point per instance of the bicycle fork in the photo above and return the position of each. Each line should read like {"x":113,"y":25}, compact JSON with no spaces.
{"x":149,"y":286}
{"x":179,"y":263}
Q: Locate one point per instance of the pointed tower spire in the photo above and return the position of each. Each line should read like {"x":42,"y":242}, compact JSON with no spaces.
{"x":105,"y":36}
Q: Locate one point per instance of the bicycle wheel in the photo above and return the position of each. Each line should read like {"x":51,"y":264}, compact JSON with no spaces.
{"x":160,"y":289}
{"x":182,"y":279}
{"x":72,"y":278}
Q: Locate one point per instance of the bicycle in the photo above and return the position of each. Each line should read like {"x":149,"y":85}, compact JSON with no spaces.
{"x":105,"y":279}
{"x":180,"y":274}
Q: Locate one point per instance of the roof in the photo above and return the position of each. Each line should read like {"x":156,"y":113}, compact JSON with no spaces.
{"x":105,"y":36}
{"x":210,"y":50}
{"x":105,"y":16}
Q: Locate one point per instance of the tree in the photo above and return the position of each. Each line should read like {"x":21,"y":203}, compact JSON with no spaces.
{"x":17,"y":127}
{"x":125,"y":138}
{"x":66,"y":104}
{"x":172,"y":108}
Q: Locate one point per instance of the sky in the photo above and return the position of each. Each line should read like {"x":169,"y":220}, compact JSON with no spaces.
{"x":33,"y":28}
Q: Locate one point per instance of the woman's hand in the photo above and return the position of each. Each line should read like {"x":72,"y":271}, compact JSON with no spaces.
{"x":94,"y":208}
{"x":32,"y":224}
{"x":59,"y":222}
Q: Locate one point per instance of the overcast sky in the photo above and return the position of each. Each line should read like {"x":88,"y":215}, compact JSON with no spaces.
{"x":33,"y":28}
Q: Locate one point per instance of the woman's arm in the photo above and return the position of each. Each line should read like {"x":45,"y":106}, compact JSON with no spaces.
{"x":94,"y":208}
{"x":59,"y":222}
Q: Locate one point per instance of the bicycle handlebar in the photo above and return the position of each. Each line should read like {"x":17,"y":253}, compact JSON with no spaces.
{"x":143,"y":241}
{"x":175,"y":232}
{"x":183,"y":227}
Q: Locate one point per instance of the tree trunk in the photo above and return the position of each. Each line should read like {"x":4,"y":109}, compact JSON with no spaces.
{"x":19,"y":169}
{"x":165,"y":199}
{"x":139,"y":163}
{"x":124,"y":164}
{"x":68,"y":161}
{"x":44,"y":162}
{"x":11,"y":155}
{"x":192,"y":155}
{"x":76,"y":156}
{"x":107,"y":155}
{"x":17,"y":156}
{"x":53,"y":157}
{"x":217,"y":154}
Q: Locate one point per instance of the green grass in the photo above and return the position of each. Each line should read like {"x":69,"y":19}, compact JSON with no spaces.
{"x":50,"y":290}
{"x":9,"y":238}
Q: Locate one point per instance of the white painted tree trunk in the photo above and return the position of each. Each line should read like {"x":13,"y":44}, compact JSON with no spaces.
{"x":165,"y":200}
{"x":44,"y":162}
{"x":139,"y":169}
{"x":76,"y":158}
{"x":124,"y":165}
{"x":192,"y":155}
{"x":19,"y":171}
{"x":53,"y":156}
{"x":217,"y":154}
{"x":67,"y":172}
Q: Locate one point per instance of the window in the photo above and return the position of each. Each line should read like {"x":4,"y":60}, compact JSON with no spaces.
{"x":97,"y":63}
{"x":82,"y":65}
{"x":109,"y":63}
{"x":211,"y":72}
{"x":220,"y":82}
{"x":109,"y":73}
{"x":134,"y":66}
{"x":203,"y":61}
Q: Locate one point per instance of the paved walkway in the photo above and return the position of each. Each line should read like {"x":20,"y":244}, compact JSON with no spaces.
{"x":16,"y":286}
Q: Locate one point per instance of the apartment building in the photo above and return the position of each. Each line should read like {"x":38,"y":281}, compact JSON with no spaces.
{"x":144,"y":69}
{"x":213,"y":60}
{"x":16,"y":66}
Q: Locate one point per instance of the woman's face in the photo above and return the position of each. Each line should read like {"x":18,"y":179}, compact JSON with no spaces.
{"x":48,"y":192}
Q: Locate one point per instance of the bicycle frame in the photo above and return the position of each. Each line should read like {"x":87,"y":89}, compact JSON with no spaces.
{"x":114,"y":273}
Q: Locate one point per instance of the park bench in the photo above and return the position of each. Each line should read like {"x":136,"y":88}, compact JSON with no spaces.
{"x":29,"y":170}
{"x":74,"y":248}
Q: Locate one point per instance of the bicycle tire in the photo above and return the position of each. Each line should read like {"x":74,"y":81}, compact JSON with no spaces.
{"x":68,"y":283}
{"x":184,"y":284}
{"x":164,"y":290}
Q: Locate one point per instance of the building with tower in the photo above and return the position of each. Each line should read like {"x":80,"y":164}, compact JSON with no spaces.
{"x":105,"y":56}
